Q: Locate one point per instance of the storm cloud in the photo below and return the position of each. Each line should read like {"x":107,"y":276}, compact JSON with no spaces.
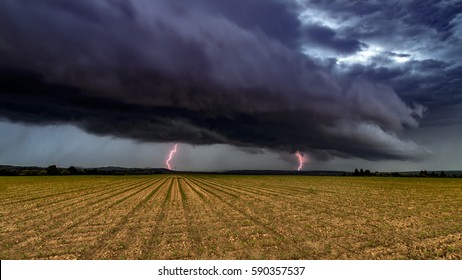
{"x":326,"y":37}
{"x":158,"y":71}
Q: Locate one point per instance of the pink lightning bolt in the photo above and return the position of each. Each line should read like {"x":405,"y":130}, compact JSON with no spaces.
{"x":170,"y":157}
{"x":301,"y":160}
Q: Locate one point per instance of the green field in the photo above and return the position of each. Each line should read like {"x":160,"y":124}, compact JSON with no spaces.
{"x":230,"y":217}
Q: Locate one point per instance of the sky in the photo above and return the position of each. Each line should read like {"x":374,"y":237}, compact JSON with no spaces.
{"x":241,"y":84}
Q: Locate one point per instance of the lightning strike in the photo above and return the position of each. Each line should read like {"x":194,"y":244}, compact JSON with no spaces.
{"x":167,"y":162}
{"x":301,"y":160}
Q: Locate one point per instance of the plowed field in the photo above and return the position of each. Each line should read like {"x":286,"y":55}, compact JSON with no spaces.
{"x":230,"y":217}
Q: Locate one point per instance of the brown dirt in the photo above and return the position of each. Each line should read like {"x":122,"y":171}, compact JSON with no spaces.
{"x":230,"y":217}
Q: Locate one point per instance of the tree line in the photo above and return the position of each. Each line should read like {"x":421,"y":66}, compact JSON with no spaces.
{"x":53,"y":170}
{"x":422,"y":173}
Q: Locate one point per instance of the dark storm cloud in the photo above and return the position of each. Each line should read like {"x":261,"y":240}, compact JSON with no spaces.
{"x":420,"y":46}
{"x":157,"y":71}
{"x":326,"y":37}
{"x":399,"y":23}
{"x":433,"y":83}
{"x":432,"y":14}
{"x":275,"y":18}
{"x":393,"y":54}
{"x":437,"y":15}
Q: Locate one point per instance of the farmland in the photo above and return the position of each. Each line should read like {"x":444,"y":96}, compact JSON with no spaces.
{"x":230,"y":217}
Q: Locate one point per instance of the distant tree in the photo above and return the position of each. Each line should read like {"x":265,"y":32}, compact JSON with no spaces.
{"x":433,"y":174}
{"x":52,"y":170}
{"x":361,"y":172}
{"x":356,"y":173}
{"x":29,"y":172}
{"x":442,"y":174}
{"x":423,"y":173}
{"x":91,"y":171}
{"x":72,"y":170}
{"x":367,"y":172}
{"x":8,"y":172}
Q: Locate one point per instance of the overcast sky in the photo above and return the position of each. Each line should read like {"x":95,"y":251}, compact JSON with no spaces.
{"x":240,"y":84}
